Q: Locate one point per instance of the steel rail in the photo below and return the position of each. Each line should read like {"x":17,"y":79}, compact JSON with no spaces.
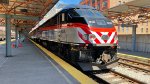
{"x":127,"y":77}
{"x":146,"y":64}
{"x":134,"y":67}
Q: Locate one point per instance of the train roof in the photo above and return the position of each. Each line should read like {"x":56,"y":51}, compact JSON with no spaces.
{"x":72,"y":6}
{"x":78,"y":6}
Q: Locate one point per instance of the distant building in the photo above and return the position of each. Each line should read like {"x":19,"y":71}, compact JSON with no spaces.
{"x":103,"y":4}
{"x":98,"y":4}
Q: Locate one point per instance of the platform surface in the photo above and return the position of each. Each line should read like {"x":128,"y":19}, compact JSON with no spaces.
{"x":137,"y":54}
{"x":29,"y":65}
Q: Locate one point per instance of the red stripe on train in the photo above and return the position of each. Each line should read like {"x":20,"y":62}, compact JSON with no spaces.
{"x":85,"y":27}
{"x":97,"y":41}
{"x":81,"y":36}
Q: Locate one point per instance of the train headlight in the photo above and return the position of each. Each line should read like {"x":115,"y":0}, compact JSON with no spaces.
{"x":92,"y":36}
{"x":105,"y":37}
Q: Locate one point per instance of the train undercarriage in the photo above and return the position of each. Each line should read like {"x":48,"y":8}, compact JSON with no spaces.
{"x":86,"y":56}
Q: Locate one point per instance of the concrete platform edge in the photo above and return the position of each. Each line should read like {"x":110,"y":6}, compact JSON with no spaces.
{"x":82,"y":78}
{"x":140,"y":57}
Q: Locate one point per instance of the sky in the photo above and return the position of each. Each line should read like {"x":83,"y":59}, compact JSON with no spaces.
{"x":69,"y":1}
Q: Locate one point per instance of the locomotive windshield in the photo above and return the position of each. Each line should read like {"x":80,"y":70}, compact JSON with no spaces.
{"x":92,"y":17}
{"x":86,"y":13}
{"x":89,"y":13}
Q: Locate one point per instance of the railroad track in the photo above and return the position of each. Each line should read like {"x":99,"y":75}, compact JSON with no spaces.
{"x":124,"y":76}
{"x":113,"y":77}
{"x":137,"y":65}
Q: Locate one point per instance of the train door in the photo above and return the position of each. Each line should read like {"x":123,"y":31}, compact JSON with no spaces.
{"x":58,"y":21}
{"x":60,"y":24}
{"x":64,"y":27}
{"x":58,"y":30}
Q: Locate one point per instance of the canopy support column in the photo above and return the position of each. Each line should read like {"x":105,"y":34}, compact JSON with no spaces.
{"x":17,"y":40}
{"x":134,"y":38}
{"x":8,"y":35}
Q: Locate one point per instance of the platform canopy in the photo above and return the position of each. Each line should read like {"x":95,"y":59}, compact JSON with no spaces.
{"x":134,"y":12}
{"x":24,"y":13}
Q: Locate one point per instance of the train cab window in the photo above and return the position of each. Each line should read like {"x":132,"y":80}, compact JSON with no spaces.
{"x":98,"y":14}
{"x":84,"y":12}
{"x":63,"y":17}
{"x":89,"y":13}
{"x":73,"y":13}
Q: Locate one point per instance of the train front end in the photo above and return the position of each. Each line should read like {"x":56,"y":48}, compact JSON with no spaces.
{"x":100,"y":40}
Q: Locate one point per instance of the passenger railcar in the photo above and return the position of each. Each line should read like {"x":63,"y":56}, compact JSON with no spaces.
{"x":2,"y":33}
{"x":82,"y":35}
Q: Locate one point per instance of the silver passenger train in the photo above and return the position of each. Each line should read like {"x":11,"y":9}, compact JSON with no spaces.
{"x":81,"y":35}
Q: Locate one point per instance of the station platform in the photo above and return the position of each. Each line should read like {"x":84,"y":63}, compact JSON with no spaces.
{"x":30,"y":65}
{"x":140,"y":56}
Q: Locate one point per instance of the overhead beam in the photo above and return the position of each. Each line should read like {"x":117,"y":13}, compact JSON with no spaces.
{"x":23,"y":17}
{"x":20,"y":25}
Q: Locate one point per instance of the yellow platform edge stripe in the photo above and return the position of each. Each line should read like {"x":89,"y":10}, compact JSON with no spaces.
{"x":140,"y":57}
{"x":3,"y":42}
{"x":82,"y":78}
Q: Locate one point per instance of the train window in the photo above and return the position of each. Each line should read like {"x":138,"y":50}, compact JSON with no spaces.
{"x":63,"y":17}
{"x":73,"y":13}
{"x":98,"y":14}
{"x":84,"y":12}
{"x":89,"y":13}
